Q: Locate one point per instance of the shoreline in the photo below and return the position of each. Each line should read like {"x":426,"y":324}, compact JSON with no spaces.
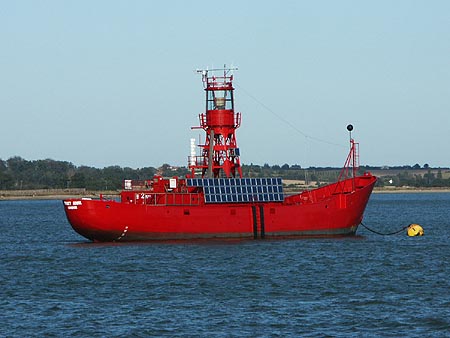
{"x":62,"y":194}
{"x":52,"y":194}
{"x":403,"y":190}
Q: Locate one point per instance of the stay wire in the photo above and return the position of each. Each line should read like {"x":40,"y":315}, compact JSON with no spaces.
{"x":384,"y":234}
{"x":287,"y":122}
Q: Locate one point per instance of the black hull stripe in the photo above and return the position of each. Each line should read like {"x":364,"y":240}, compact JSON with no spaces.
{"x":255,"y":223}
{"x":261,"y":214}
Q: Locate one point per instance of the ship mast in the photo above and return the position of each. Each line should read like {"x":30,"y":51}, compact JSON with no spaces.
{"x":220,"y":154}
{"x":351,"y":165}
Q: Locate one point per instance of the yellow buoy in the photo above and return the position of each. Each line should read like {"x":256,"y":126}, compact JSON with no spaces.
{"x":415,"y":230}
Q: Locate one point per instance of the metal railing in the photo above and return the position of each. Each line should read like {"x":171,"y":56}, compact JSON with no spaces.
{"x":168,"y":199}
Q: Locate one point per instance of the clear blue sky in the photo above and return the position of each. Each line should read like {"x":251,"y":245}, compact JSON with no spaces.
{"x":102,"y":83}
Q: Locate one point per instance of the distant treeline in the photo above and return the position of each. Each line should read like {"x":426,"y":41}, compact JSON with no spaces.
{"x":17,"y":173}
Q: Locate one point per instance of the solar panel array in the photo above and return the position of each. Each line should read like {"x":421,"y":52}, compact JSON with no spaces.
{"x":239,"y":190}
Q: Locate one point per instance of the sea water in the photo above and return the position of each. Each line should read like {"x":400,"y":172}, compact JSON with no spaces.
{"x":55,"y":283}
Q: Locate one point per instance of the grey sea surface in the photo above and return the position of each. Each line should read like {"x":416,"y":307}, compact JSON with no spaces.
{"x":55,"y":283}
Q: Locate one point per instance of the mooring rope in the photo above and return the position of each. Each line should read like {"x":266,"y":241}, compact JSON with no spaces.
{"x":384,"y":234}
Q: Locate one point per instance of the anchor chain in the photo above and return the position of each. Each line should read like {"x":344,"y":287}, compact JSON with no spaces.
{"x":384,"y":234}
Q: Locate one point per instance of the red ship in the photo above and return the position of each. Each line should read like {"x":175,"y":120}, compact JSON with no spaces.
{"x":215,"y":201}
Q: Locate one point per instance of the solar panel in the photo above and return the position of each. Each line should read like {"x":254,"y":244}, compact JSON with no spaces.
{"x":239,"y":190}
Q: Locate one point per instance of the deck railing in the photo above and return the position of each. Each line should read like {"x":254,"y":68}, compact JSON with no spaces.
{"x":168,"y":199}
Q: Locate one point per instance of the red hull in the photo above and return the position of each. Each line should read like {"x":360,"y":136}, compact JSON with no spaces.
{"x":333,"y":210}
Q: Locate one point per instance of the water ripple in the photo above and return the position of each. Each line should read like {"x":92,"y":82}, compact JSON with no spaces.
{"x":55,"y":283}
